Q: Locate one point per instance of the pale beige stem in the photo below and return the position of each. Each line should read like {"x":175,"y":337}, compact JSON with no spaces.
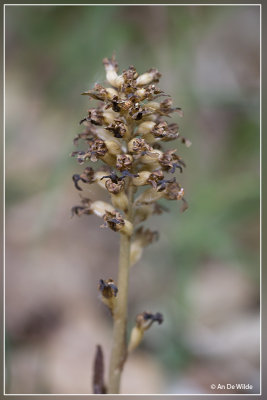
{"x":119,"y":347}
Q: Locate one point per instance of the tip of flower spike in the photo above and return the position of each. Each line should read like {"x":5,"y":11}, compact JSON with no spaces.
{"x":127,"y":131}
{"x":110,"y":62}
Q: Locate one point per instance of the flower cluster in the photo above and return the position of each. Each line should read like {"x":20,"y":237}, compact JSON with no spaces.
{"x":126,"y":131}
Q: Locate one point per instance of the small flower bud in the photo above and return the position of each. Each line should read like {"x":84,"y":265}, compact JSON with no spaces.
{"x":108,"y":117}
{"x":154,"y":105}
{"x":111,"y":73}
{"x":120,"y":201}
{"x":142,"y":178}
{"x":141,"y":93}
{"x":136,"y":337}
{"x":109,"y":159}
{"x":111,"y":92}
{"x":145,"y":127}
{"x":151,"y":157}
{"x":150,"y":117}
{"x":113,"y":147}
{"x":104,"y":134}
{"x":100,"y":208}
{"x":99,"y":178}
{"x":148,"y":196}
{"x":148,"y":77}
{"x":149,"y":92}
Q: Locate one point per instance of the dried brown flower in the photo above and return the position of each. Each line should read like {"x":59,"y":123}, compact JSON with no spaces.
{"x":143,"y":322}
{"x":124,"y":162}
{"x":108,"y":288}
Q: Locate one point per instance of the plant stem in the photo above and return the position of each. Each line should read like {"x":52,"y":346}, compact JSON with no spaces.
{"x":119,"y":348}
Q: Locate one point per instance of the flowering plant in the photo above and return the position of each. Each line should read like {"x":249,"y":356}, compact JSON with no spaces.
{"x":126,"y":131}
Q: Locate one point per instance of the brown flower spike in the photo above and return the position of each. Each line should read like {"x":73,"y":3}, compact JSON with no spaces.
{"x":126,"y":131}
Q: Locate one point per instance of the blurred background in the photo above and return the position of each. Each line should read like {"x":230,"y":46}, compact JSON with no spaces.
{"x":204,"y":272}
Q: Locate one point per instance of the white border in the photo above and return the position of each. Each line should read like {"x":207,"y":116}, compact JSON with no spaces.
{"x":136,"y":4}
{"x":173,"y":394}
